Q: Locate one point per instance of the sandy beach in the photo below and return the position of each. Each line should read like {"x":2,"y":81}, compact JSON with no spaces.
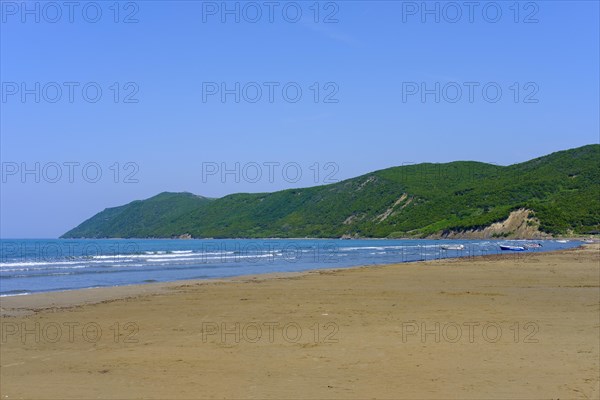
{"x":517,"y":326}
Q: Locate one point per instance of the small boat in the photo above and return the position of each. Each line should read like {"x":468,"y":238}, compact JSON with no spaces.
{"x":452,"y":247}
{"x":588,"y":241}
{"x":512,"y":248}
{"x":562,"y":241}
{"x":532,"y":245}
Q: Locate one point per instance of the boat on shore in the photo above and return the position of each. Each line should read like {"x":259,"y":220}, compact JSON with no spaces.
{"x":512,"y":248}
{"x":452,"y":247}
{"x":532,"y":245}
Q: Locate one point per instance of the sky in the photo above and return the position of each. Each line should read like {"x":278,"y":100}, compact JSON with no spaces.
{"x":103,"y":103}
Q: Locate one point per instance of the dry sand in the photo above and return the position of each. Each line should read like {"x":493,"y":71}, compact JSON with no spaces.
{"x":512,"y":326}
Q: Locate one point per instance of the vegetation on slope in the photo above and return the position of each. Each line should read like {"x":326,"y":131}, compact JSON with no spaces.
{"x":562,"y":189}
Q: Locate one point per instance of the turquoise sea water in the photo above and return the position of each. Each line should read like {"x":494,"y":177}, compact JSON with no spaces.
{"x":40,"y":265}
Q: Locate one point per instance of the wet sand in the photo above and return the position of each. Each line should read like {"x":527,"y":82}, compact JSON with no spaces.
{"x":509,"y":326}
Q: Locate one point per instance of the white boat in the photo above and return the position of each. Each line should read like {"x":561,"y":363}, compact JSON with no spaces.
{"x":452,"y":247}
{"x":562,"y":241}
{"x":532,"y":245}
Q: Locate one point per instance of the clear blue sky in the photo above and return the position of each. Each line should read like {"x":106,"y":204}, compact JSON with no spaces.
{"x":372,"y":57}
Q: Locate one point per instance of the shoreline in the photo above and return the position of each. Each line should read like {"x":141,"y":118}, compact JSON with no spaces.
{"x":468,"y":253}
{"x":30,"y":304}
{"x":593,"y":236}
{"x":33,"y":303}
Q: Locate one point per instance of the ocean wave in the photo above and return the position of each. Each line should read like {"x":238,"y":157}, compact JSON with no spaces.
{"x":224,"y":257}
{"x":15,"y":293}
{"x":37,"y":263}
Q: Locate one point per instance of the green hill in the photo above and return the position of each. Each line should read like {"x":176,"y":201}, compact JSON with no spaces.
{"x":561,"y":190}
{"x":141,"y":218}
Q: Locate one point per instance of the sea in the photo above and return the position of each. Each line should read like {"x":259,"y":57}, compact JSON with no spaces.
{"x":45,"y":265}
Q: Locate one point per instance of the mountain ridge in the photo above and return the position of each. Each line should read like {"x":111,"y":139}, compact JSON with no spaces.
{"x":560,"y":193}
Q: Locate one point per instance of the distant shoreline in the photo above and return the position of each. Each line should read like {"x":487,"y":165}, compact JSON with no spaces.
{"x":574,"y":238}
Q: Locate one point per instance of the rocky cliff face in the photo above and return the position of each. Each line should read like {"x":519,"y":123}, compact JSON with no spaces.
{"x":520,"y":224}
